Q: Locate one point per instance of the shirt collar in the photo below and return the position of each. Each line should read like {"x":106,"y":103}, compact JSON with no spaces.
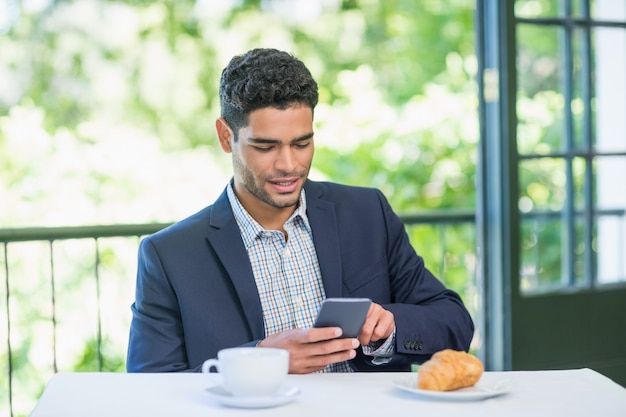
{"x":250,"y":228}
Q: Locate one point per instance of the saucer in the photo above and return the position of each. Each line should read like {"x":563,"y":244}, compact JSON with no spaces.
{"x":283,"y":396}
{"x":476,"y":392}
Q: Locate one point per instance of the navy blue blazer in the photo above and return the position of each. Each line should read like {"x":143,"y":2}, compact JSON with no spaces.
{"x":196,"y":293}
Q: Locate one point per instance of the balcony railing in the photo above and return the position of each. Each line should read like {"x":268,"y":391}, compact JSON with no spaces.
{"x":67,"y":293}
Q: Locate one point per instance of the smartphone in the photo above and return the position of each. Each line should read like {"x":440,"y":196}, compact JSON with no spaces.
{"x":347,"y":313}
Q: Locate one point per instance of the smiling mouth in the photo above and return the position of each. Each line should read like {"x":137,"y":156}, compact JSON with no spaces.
{"x":284,"y":183}
{"x":285,"y":186}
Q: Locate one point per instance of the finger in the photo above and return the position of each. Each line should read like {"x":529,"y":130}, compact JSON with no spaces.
{"x":316,"y":356}
{"x":383,"y":330}
{"x":370,"y":323}
{"x":319,"y":362}
{"x":366,"y":331}
{"x":318,"y":334}
{"x":378,"y":325}
{"x":289,"y":339}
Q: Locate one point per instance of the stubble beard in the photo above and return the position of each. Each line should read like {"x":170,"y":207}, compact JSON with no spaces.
{"x":254,"y":185}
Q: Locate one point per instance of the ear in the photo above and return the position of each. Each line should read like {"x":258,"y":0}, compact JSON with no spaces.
{"x":224,"y":134}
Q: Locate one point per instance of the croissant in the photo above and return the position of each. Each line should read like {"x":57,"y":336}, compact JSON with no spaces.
{"x":448,"y":370}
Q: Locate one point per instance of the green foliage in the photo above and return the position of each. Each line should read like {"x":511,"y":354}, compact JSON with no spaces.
{"x":93,"y":359}
{"x":127,"y":76}
{"x":107,"y":113}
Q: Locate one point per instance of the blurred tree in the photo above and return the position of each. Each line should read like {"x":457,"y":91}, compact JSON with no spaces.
{"x":107,"y":111}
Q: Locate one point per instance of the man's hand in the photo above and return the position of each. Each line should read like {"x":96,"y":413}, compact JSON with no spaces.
{"x":378,"y":325}
{"x":312,"y":349}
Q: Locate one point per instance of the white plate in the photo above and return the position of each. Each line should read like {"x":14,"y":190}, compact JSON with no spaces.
{"x":479,"y":391}
{"x":284,"y":396}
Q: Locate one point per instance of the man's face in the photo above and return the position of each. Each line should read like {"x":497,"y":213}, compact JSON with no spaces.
{"x":272,"y":158}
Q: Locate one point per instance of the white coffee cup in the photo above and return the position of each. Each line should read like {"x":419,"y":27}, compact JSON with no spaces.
{"x":250,"y":371}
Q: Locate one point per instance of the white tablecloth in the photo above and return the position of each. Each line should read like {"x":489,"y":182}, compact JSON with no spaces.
{"x":580,"y":392}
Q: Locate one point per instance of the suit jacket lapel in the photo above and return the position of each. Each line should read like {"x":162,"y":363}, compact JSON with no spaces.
{"x":225,"y":239}
{"x":321,"y":214}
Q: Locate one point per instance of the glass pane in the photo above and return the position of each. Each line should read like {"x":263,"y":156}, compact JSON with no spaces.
{"x":610,"y":243}
{"x":541,"y":253}
{"x":609,"y":10}
{"x":537,"y":8}
{"x":540,"y":102}
{"x":542,"y":185}
{"x":610,"y":89}
{"x":551,"y":8}
{"x":542,"y":196}
{"x":547,"y":263}
{"x":580,"y":94}
{"x":579,"y":259}
{"x":553,"y":234}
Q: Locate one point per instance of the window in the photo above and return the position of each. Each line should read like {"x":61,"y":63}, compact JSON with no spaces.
{"x":552,"y":206}
{"x":571,"y":143}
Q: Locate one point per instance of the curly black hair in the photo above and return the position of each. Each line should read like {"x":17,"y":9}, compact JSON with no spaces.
{"x":260,"y":78}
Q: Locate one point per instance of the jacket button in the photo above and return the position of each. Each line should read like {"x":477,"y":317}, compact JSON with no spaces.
{"x":407,"y":344}
{"x":420,"y":345}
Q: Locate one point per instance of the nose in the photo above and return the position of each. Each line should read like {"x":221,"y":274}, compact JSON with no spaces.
{"x":286,"y":159}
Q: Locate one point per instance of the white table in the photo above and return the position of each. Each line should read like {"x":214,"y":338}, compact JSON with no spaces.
{"x":580,"y":392}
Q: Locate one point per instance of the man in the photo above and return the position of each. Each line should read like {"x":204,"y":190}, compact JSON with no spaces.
{"x":253,"y":268}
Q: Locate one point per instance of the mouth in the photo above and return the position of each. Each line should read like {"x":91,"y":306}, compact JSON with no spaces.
{"x":285,"y":185}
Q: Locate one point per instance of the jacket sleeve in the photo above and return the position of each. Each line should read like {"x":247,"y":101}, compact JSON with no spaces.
{"x":156,"y":342}
{"x":428,"y":316}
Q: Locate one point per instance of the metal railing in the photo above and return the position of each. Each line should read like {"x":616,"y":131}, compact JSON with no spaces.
{"x":53,"y":293}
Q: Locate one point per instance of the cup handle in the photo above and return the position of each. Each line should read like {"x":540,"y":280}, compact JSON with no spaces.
{"x":208,"y":364}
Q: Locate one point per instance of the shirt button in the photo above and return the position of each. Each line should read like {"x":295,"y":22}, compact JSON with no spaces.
{"x":287,"y":253}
